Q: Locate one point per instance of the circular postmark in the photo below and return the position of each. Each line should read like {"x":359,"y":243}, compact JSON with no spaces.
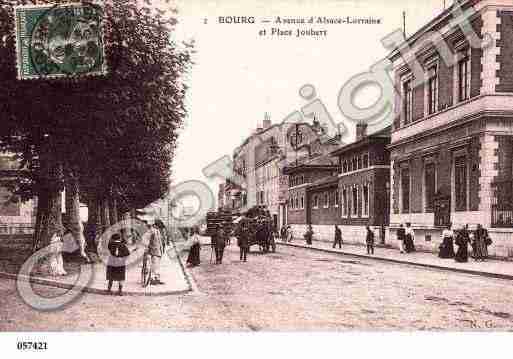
{"x":67,"y":40}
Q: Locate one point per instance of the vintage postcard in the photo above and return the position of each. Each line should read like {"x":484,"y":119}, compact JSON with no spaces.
{"x":273,"y":166}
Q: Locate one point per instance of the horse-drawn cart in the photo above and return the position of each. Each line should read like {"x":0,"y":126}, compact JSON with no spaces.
{"x":256,"y":223}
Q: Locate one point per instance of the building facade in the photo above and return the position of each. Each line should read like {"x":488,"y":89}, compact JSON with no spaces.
{"x":260,"y":161}
{"x":452,"y":139}
{"x":349,"y":189}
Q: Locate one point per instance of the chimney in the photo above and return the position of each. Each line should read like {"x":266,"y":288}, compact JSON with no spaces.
{"x":361,"y":131}
{"x":258,"y":128}
{"x":267,"y":121}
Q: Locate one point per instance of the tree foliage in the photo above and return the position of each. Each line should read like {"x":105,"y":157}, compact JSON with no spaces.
{"x":116,"y":133}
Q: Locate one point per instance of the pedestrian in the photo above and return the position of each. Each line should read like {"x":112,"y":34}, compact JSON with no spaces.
{"x":283,"y":233}
{"x":290,"y":234}
{"x":338,"y":237}
{"x":462,"y":241}
{"x":481,"y":243}
{"x":243,"y":240}
{"x":220,"y":244}
{"x":401,"y":234}
{"x":447,"y":245}
{"x":409,"y":238}
{"x":56,"y":262}
{"x":156,"y":251}
{"x":369,"y":240}
{"x":163,"y":231}
{"x":116,"y":264}
{"x":193,"y":259}
{"x":309,"y":235}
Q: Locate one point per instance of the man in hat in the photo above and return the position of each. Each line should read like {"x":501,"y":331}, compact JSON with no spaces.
{"x":220,"y":243}
{"x":243,"y":238}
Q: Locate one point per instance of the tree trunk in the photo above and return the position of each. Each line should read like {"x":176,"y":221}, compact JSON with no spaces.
{"x":49,"y":198}
{"x":49,"y":210}
{"x":41,"y":216}
{"x":113,"y":211}
{"x":124,"y":232}
{"x":104,"y":214}
{"x":74,"y":223}
{"x":93,"y":219}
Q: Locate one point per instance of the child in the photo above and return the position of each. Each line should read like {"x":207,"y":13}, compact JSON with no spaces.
{"x":370,"y":241}
{"x":116,"y":267}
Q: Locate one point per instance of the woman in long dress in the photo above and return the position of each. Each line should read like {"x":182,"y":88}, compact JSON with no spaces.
{"x":480,"y":243}
{"x":447,"y":246}
{"x":116,"y":266}
{"x":462,"y":241}
{"x":193,"y":259}
{"x":409,"y":239}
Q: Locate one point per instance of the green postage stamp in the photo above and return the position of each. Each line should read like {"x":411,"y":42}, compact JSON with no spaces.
{"x":59,"y":41}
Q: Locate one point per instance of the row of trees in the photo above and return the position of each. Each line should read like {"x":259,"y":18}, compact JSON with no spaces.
{"x":108,"y":140}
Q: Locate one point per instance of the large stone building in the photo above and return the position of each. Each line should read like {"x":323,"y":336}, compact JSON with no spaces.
{"x":452,"y":139}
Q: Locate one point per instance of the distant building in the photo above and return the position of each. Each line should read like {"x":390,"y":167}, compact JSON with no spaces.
{"x":349,"y":188}
{"x":260,"y":160}
{"x":16,"y":217}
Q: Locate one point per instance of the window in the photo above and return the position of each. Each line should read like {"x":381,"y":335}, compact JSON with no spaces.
{"x":433,"y":90}
{"x":407,"y":101}
{"x":464,"y":78}
{"x":365,"y":208}
{"x":297,"y":202}
{"x":359,"y":162}
{"x":344,"y":168}
{"x":344,"y":203}
{"x":355,"y":201}
{"x":302,"y":202}
{"x":405,"y":190}
{"x":365,"y":161}
{"x":460,"y":183}
{"x":336,"y":199}
{"x":315,"y":201}
{"x":429,"y":187}
{"x":326,"y":200}
{"x":349,"y":166}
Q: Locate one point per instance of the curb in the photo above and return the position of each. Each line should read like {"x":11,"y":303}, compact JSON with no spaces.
{"x":398,"y":261}
{"x":187,"y":275}
{"x":69,"y":286}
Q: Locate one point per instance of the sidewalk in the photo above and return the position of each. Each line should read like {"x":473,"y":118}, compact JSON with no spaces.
{"x":173,"y":274}
{"x":490,"y":268}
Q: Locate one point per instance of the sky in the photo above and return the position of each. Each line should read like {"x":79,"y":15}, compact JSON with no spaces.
{"x":239,"y":75}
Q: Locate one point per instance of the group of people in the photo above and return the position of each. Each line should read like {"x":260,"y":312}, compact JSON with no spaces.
{"x":406,"y":238}
{"x":286,"y":234}
{"x":154,"y":241}
{"x":218,"y":241}
{"x":246,"y":228}
{"x":479,"y":240}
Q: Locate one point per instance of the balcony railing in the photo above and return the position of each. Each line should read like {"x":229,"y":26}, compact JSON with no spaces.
{"x":502,"y":206}
{"x":502,"y":217}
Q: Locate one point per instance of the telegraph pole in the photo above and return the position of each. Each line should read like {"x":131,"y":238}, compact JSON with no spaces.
{"x":404,"y":23}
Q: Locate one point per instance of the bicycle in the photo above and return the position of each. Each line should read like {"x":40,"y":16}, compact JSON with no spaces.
{"x":146,"y":270}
